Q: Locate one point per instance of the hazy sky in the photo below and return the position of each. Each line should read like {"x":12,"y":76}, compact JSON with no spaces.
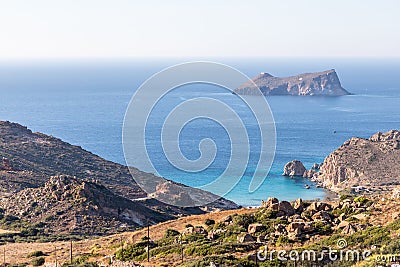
{"x":214,"y":28}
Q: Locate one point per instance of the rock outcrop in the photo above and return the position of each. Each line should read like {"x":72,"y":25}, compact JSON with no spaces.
{"x":396,"y":193}
{"x":363,"y":164}
{"x":6,"y":165}
{"x":324,"y":83}
{"x":305,"y":219}
{"x":244,"y":238}
{"x":66,"y":204}
{"x":255,"y":228}
{"x":294,"y":168}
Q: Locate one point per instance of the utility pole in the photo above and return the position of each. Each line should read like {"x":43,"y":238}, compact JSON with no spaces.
{"x":181,"y":241}
{"x":70,"y":254}
{"x":148,"y":241}
{"x":55,"y":253}
{"x":122,"y":245}
{"x":256,"y":256}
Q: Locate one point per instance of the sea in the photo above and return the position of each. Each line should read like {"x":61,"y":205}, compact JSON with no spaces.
{"x":83,"y":102}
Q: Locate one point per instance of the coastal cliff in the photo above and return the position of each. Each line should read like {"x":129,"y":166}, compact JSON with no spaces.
{"x":371,"y":163}
{"x":324,"y":83}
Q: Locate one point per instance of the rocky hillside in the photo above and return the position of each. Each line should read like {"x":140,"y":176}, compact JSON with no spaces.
{"x":47,"y":155}
{"x":68,"y":205}
{"x":370,"y":163}
{"x":318,"y":83}
{"x":42,"y":169}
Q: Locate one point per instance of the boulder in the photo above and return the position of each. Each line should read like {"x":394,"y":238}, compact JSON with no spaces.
{"x":280,"y":229}
{"x":244,"y":238}
{"x":342,"y":217}
{"x":227,"y":220}
{"x":319,"y":206}
{"x":6,"y":165}
{"x":286,"y":208}
{"x":343,"y":224}
{"x":188,"y":230}
{"x":321,"y":216}
{"x":295,"y":227}
{"x":295,"y":230}
{"x":308,"y":227}
{"x":349,"y":229}
{"x":255,"y":228}
{"x":272,"y":203}
{"x":361,"y":227}
{"x":313,"y":207}
{"x":335,"y":205}
{"x":295,"y":218}
{"x":214,"y":234}
{"x":396,"y":193}
{"x":309,"y":173}
{"x":201,"y":231}
{"x":261,"y":239}
{"x":298,"y":205}
{"x":315,"y":166}
{"x":361,"y":216}
{"x":294,"y":168}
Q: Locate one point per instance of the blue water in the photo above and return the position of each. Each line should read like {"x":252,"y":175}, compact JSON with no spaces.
{"x":84,"y":102}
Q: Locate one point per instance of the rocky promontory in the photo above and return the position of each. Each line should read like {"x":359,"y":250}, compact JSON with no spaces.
{"x":369,"y":164}
{"x":325,"y":83}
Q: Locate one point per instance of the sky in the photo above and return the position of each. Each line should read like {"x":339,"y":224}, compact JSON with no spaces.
{"x":207,"y":28}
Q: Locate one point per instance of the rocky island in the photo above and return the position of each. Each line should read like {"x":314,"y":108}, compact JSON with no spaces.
{"x":325,"y":83}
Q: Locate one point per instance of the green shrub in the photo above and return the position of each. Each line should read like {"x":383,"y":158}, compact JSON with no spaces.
{"x":38,"y":261}
{"x":345,"y":196}
{"x":37,"y":253}
{"x":81,"y":259}
{"x":11,"y":218}
{"x":393,"y":247}
{"x":209,"y":222}
{"x":193,"y":237}
{"x":131,"y":252}
{"x":85,"y":264}
{"x":145,"y":238}
{"x":18,"y":264}
{"x":360,"y":199}
{"x":282,"y":240}
{"x":243,"y":220}
{"x":49,"y":218}
{"x":345,"y":210}
{"x":322,"y":228}
{"x":171,"y":233}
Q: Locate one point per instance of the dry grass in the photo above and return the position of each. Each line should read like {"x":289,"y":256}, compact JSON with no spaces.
{"x":99,"y":248}
{"x":2,"y":231}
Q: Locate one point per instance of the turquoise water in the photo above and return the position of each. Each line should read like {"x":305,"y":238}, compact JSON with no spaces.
{"x":83,"y":102}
